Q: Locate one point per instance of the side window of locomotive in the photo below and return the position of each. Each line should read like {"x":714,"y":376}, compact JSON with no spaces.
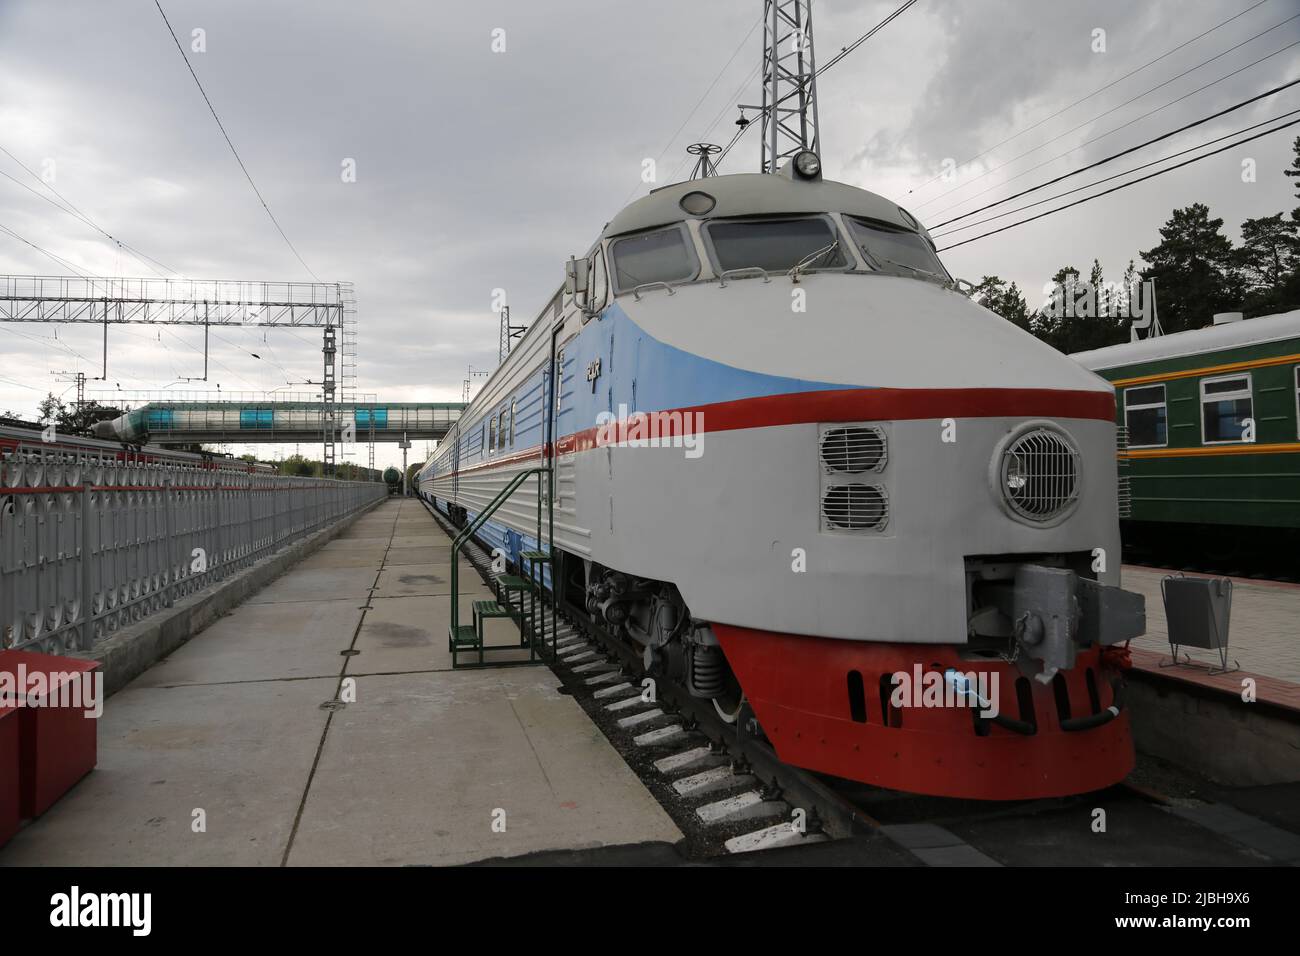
{"x":897,"y":251}
{"x":659,"y":256}
{"x":1297,"y":400}
{"x":514,"y":413}
{"x":492,"y":434}
{"x":775,"y":245}
{"x":1146,"y":417}
{"x":1227,"y":409}
{"x":599,"y":279}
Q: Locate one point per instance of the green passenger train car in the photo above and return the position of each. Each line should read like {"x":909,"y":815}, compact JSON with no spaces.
{"x":1210,"y":424}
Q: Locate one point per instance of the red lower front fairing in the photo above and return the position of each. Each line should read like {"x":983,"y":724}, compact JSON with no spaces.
{"x":803,"y":691}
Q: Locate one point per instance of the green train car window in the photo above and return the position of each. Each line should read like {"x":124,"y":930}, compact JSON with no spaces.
{"x":1227,"y":409}
{"x":1146,"y":417}
{"x":1297,"y":401}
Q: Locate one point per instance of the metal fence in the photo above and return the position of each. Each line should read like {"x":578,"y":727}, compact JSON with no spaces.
{"x":91,"y":526}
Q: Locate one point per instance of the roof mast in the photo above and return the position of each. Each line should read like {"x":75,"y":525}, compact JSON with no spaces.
{"x":789,"y":108}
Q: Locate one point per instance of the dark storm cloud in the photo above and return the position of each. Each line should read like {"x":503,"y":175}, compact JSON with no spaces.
{"x":479,"y":170}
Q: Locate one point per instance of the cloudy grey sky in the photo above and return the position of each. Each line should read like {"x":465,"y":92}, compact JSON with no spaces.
{"x":478,"y":170}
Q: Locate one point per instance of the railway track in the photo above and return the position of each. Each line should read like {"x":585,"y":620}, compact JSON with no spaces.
{"x":729,"y":793}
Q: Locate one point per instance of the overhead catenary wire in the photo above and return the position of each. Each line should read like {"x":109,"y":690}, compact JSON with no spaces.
{"x":863,"y":39}
{"x":726,"y":108}
{"x":1075,"y":129}
{"x":1114,"y":189}
{"x":257,"y":192}
{"x":700,"y":102}
{"x":79,"y":271}
{"x":66,"y":205}
{"x":1122,"y":153}
{"x":1100,"y":89}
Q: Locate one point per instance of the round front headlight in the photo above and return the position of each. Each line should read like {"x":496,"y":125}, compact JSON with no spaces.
{"x":1038,"y":471}
{"x":1015,"y":477}
{"x":807,"y":164}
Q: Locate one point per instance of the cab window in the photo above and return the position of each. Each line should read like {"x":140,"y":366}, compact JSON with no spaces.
{"x":659,"y":256}
{"x":897,"y":251}
{"x":775,"y":245}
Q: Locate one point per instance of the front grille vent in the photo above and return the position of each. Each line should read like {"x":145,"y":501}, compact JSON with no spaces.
{"x":854,"y":449}
{"x":855,"y":508}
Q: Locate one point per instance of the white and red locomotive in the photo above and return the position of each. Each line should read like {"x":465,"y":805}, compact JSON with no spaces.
{"x":799,"y":469}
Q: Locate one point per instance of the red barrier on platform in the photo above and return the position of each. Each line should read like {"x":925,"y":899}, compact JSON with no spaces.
{"x":9,"y":762}
{"x":57,"y":740}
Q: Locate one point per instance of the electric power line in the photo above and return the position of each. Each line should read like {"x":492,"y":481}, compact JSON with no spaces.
{"x":700,"y":102}
{"x":1114,"y":156}
{"x":68,"y":207}
{"x":1136,"y":119}
{"x":234,"y":151}
{"x":1113,"y":189}
{"x":1100,"y":89}
{"x":864,"y":38}
{"x":79,"y":271}
{"x":1119,"y":175}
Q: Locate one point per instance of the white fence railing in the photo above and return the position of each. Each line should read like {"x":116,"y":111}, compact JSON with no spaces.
{"x":94,"y":537}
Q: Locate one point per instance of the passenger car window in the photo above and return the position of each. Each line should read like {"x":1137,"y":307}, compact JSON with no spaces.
{"x":1145,"y":416}
{"x":774,"y":245}
{"x":659,"y":256}
{"x":1227,"y":409}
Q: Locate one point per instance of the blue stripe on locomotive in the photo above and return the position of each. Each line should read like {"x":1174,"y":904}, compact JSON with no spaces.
{"x":636,"y":370}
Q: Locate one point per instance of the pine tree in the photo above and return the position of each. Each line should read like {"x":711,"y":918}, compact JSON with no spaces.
{"x":1194,"y":267}
{"x":1267,"y":254}
{"x":995,"y":295}
{"x":1294,"y":173}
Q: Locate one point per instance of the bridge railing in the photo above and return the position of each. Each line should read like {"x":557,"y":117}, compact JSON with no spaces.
{"x":94,"y":537}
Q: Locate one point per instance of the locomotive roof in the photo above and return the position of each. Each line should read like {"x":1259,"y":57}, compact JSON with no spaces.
{"x":756,"y":194}
{"x":1213,"y":338}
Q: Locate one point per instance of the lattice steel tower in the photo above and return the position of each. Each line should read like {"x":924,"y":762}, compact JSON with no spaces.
{"x":789,"y":108}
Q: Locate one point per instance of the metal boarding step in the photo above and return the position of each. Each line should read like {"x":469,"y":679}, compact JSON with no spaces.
{"x":523,"y":599}
{"x":463,"y":635}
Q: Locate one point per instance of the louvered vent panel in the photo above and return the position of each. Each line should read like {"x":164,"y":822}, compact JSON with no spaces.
{"x":855,"y":508}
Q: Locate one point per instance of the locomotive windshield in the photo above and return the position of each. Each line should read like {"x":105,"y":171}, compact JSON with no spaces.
{"x":897,"y":251}
{"x":659,"y":256}
{"x":775,"y":245}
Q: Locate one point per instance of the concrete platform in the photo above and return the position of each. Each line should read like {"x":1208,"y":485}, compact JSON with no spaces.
{"x":416,"y":770}
{"x":1263,"y":633}
{"x":469,"y":748}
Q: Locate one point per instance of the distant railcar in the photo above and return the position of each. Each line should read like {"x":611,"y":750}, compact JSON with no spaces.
{"x":1212,"y":424}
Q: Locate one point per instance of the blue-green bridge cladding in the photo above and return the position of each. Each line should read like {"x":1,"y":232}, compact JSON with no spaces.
{"x":167,"y":423}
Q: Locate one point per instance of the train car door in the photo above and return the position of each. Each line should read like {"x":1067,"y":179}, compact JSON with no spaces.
{"x":455,"y":464}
